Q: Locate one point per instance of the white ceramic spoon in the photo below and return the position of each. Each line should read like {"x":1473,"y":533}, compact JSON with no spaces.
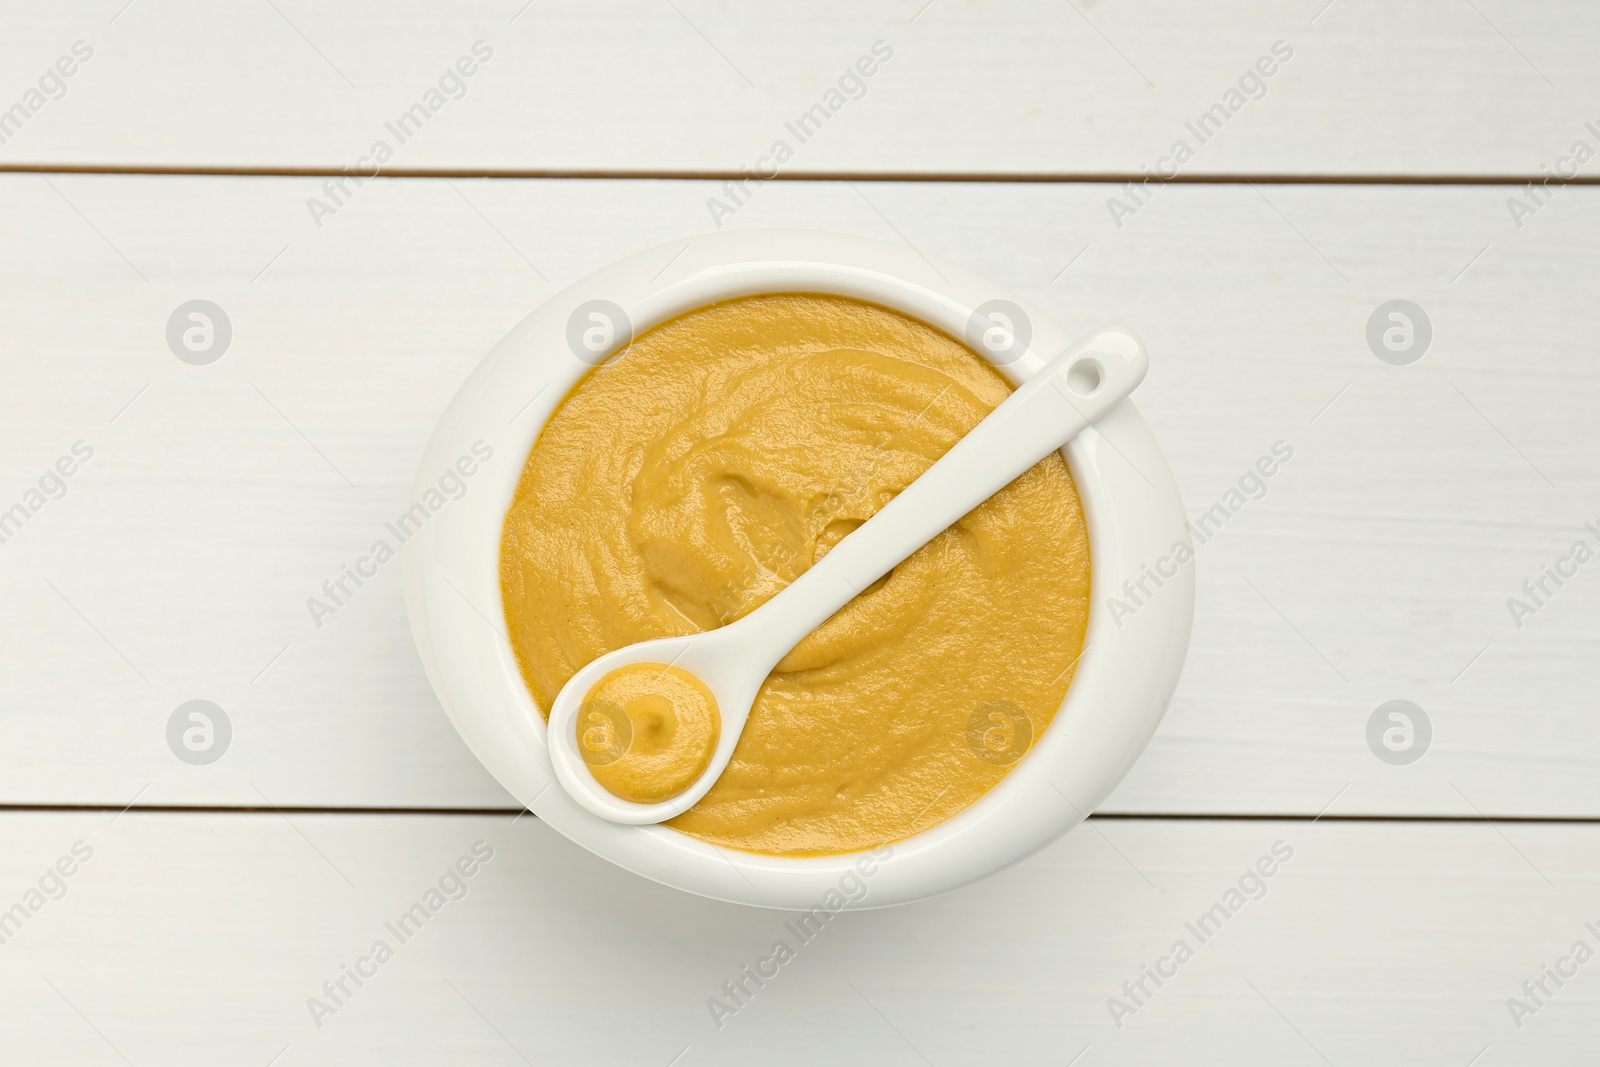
{"x":1069,"y":393}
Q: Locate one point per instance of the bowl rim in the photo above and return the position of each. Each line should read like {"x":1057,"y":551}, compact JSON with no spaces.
{"x":1126,"y":671}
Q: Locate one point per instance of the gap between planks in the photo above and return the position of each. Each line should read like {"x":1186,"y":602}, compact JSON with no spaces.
{"x":613,"y":174}
{"x":1119,"y":816}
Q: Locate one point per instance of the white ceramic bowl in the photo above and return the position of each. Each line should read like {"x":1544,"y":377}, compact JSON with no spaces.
{"x":1125,"y":677}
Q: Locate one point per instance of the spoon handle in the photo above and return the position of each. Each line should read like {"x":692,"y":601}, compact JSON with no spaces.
{"x":1057,"y":403}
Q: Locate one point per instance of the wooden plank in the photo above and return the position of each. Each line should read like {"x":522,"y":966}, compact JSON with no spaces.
{"x":219,"y":498}
{"x":201,"y":939}
{"x":1436,"y":88}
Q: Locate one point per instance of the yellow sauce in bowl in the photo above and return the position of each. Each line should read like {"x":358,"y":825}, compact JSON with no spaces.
{"x":690,"y":477}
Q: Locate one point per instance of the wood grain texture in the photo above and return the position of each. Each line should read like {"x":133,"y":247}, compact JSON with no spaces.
{"x":1377,"y":565}
{"x":200,"y":939}
{"x":1437,"y":88}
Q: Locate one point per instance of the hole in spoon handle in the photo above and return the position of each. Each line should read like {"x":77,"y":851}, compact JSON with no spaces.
{"x":1097,"y":372}
{"x":1085,"y":376}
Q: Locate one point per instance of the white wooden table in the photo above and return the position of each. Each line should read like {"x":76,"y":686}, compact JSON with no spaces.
{"x":1379,"y":161}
